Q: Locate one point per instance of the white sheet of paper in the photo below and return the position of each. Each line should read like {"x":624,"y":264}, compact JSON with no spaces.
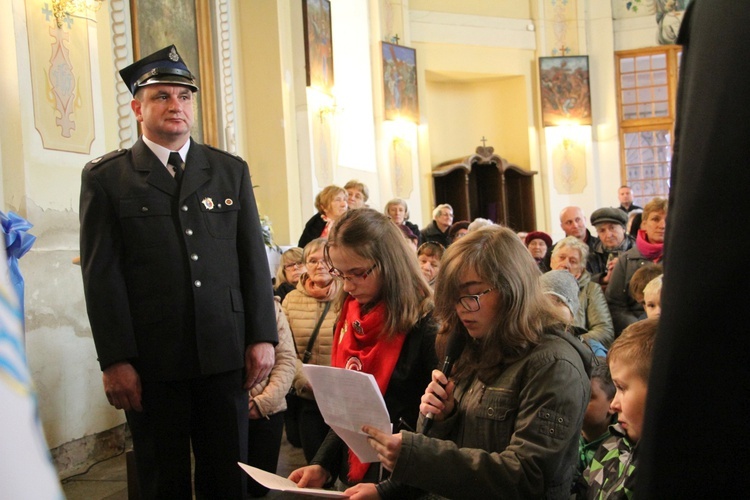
{"x":274,"y":482}
{"x":349,"y":399}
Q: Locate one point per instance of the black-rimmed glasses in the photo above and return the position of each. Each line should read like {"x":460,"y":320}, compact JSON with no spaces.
{"x":294,"y":265}
{"x":471,"y":302}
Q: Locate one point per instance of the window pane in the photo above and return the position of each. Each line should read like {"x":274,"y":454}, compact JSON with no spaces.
{"x":643,"y":63}
{"x":645,"y":95}
{"x":644,"y":79}
{"x":644,"y":111}
{"x":627,"y":65}
{"x":661,"y":93}
{"x":659,"y":61}
{"x":660,"y":77}
{"x":628,"y":97}
{"x":661,"y":109}
{"x":629,"y":112}
{"x":627,"y":81}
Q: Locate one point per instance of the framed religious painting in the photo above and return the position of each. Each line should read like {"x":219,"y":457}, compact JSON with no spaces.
{"x":187,"y":25}
{"x":565,"y":91}
{"x":318,"y":44}
{"x":400,"y":82}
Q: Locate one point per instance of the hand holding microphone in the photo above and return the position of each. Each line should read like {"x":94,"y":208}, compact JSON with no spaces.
{"x":437,"y":388}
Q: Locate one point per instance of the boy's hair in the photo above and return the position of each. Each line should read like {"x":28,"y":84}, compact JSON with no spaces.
{"x":635,"y":347}
{"x":601,"y":374}
{"x":653,"y":287}
{"x":641,"y":278}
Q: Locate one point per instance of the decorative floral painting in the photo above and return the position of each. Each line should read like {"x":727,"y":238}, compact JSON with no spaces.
{"x":400,"y":82}
{"x":565,"y":91}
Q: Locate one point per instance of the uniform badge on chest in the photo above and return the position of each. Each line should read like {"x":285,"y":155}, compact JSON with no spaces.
{"x":208,"y":203}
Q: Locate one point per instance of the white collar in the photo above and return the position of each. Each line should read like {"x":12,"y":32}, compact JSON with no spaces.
{"x":163,"y":153}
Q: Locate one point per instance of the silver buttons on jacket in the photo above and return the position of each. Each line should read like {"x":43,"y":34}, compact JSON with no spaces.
{"x":197,"y":283}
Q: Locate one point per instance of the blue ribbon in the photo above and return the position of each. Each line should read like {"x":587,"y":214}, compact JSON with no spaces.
{"x":17,"y":243}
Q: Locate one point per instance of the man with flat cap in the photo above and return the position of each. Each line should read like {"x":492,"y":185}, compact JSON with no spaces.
{"x":177,"y":289}
{"x":611,"y":242}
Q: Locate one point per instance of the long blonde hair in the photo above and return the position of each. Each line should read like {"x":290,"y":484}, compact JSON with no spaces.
{"x":499,"y":258}
{"x":372,"y":236}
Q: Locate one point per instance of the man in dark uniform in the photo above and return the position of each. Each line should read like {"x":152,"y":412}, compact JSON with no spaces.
{"x":177,"y":289}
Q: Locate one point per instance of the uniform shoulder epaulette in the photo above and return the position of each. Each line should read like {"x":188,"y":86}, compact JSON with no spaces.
{"x":105,"y":158}
{"x":231,"y":155}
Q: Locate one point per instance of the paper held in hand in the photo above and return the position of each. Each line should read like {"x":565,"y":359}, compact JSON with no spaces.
{"x":274,"y":482}
{"x":349,"y":399}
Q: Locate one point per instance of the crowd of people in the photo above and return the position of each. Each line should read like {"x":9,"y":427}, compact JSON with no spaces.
{"x":548,"y":347}
{"x":372,"y":284}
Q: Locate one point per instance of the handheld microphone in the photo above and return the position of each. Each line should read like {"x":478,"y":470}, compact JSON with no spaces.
{"x":452,"y":352}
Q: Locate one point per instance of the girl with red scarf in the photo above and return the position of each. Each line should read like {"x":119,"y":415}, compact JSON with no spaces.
{"x":649,"y":247}
{"x":385,"y":328}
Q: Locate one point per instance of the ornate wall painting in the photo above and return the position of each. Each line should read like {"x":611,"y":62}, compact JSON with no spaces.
{"x":60,"y":79}
{"x":318,"y":44}
{"x":565,"y":91}
{"x":186,"y":24}
{"x":400,"y":82}
{"x":569,"y":167}
{"x":401,"y":168}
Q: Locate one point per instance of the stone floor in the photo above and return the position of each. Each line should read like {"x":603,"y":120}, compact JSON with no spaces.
{"x":107,"y":480}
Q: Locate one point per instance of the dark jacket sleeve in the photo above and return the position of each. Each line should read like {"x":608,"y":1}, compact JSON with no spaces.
{"x":255,"y":277}
{"x":104,"y":287}
{"x":312,"y":230}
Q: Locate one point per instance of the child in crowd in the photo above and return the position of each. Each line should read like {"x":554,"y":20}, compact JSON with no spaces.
{"x":598,"y":417}
{"x":641,"y":278}
{"x":429,"y":255}
{"x":612,"y":471}
{"x":652,"y":298}
{"x":561,"y":288}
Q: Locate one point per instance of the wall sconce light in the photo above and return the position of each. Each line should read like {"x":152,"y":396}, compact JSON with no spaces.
{"x":63,"y":8}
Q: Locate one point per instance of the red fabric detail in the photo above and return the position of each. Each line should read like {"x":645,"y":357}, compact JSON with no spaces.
{"x":358,"y":345}
{"x":652,"y":251}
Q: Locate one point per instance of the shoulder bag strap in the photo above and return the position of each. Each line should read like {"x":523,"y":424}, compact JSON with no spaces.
{"x":308,"y":352}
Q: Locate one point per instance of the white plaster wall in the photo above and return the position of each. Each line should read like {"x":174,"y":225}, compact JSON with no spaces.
{"x":43,"y":186}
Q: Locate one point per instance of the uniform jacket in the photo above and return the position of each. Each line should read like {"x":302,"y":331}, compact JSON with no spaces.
{"x":270,"y":394}
{"x":175,"y":283}
{"x":593,"y":312}
{"x":303,"y":313}
{"x":623,"y":308}
{"x":514,"y":438}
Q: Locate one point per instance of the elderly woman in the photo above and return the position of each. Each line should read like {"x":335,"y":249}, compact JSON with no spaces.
{"x":570,"y":254}
{"x":398,"y":211}
{"x":538,"y":243}
{"x":649,"y":247}
{"x":287,"y":275}
{"x":358,"y":194}
{"x":309,"y":308}
{"x":331,"y":204}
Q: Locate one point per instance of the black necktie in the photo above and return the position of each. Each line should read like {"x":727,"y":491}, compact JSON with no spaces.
{"x":176,"y":161}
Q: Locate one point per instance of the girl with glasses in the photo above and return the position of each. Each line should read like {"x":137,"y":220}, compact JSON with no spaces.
{"x":385,"y":328}
{"x":506,"y":423}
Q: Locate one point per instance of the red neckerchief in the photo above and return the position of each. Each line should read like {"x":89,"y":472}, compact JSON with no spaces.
{"x":652,"y":251}
{"x":358,"y":345}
